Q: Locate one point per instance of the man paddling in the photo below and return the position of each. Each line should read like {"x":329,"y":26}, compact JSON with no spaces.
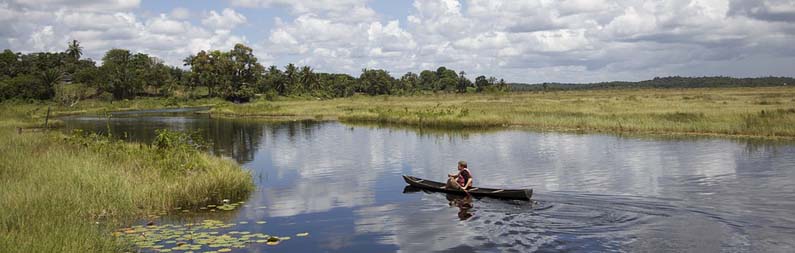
{"x":462,"y":180}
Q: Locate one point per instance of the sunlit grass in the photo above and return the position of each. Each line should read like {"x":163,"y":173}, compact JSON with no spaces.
{"x":760,"y":112}
{"x":766,"y":112}
{"x":66,"y":194}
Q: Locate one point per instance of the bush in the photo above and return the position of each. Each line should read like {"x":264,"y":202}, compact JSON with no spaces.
{"x":179,"y":152}
{"x":25,"y":87}
{"x":70,"y":95}
{"x":170,"y":140}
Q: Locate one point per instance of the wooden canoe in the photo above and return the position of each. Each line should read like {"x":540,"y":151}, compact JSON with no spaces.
{"x":520,"y":194}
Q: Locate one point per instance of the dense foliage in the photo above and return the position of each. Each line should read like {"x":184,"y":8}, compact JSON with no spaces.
{"x":235,"y":75}
{"x":122,"y":75}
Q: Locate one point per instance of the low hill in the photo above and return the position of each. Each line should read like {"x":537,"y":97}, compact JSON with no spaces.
{"x":662,"y":82}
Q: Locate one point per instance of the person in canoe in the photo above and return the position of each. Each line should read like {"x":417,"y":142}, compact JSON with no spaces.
{"x":462,"y":180}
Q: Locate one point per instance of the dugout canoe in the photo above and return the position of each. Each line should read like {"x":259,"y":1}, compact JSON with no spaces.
{"x":518,"y":194}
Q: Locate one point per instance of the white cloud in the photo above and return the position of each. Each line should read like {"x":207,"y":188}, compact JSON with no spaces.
{"x":83,"y":5}
{"x":167,"y":37}
{"x":96,"y":21}
{"x":225,"y":20}
{"x":180,"y":13}
{"x":164,"y":25}
{"x":42,"y":39}
{"x":521,"y":40}
{"x":632,"y":23}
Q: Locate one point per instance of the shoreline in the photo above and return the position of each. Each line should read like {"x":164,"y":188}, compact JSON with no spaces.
{"x":759,"y":113}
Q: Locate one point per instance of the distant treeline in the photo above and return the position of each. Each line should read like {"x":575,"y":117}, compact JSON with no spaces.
{"x":662,"y":82}
{"x":234,"y":75}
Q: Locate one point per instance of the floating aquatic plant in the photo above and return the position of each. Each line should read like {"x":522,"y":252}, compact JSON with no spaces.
{"x":194,"y":237}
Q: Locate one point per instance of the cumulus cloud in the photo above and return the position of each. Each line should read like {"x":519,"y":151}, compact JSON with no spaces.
{"x":521,"y":40}
{"x":103,"y":25}
{"x":164,"y":25}
{"x":771,"y":10}
{"x":226,"y":19}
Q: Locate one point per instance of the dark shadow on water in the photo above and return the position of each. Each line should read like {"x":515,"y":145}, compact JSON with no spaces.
{"x":164,"y":111}
{"x":464,"y":203}
{"x":426,"y":131}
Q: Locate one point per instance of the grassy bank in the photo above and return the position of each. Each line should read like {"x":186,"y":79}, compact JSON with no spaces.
{"x":64,"y":193}
{"x":759,"y":112}
{"x":767,"y":112}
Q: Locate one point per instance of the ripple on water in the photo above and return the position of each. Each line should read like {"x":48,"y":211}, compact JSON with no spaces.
{"x":564,"y":221}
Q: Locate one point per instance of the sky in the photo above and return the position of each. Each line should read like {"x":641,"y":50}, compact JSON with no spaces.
{"x":521,"y":41}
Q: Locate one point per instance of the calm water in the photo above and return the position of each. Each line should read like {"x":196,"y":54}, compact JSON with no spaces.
{"x":343,"y":185}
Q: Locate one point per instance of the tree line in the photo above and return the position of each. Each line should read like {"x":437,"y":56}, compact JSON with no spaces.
{"x":662,"y":82}
{"x":234,"y":75}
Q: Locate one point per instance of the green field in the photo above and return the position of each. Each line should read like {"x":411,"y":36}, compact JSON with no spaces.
{"x":66,"y":193}
{"x":757,"y":112}
{"x":767,"y":112}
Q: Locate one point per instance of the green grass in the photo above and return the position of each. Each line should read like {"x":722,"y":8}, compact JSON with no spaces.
{"x":756,"y":112}
{"x":746,"y":112}
{"x":62,"y":193}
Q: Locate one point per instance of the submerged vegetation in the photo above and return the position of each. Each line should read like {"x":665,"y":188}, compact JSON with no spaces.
{"x":66,"y":193}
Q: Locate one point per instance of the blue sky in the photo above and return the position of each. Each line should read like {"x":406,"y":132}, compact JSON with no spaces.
{"x":521,"y":41}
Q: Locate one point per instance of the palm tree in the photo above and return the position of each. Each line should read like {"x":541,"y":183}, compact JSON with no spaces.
{"x":50,"y":79}
{"x":307,"y":78}
{"x":290,"y":74}
{"x":274,"y":76}
{"x":75,"y":50}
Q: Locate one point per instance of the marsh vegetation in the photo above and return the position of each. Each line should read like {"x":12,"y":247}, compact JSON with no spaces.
{"x":761,"y":112}
{"x":66,"y":193}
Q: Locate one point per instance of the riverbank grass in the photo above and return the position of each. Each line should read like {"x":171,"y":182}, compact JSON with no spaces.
{"x":767,"y":112}
{"x":67,"y":193}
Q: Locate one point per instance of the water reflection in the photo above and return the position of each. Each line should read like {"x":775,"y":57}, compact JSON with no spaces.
{"x":594,"y":192}
{"x":463,"y":203}
{"x":238,"y":139}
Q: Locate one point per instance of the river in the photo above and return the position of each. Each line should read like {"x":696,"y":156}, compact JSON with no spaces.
{"x":593,"y":192}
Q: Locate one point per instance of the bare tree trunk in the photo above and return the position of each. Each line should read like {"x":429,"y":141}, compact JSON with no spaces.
{"x":47,"y":119}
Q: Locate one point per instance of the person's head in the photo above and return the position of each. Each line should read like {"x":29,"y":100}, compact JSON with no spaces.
{"x":462,"y":165}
